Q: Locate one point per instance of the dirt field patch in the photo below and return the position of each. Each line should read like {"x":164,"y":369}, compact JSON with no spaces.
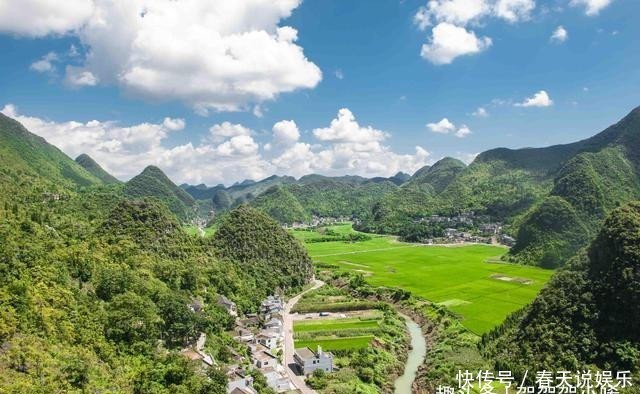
{"x":505,"y":278}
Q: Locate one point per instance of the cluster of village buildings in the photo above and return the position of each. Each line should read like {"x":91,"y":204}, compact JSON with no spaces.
{"x":318,"y":221}
{"x":468,"y":227}
{"x":263,"y":335}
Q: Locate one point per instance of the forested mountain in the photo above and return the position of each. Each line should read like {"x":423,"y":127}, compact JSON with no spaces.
{"x":436,"y":178}
{"x":255,"y":240}
{"x":415,"y":198}
{"x":282,"y":205}
{"x":152,"y":182}
{"x":605,"y":174}
{"x":317,"y":194}
{"x":96,"y":286}
{"x":588,"y":313}
{"x":95,"y":169}
{"x":555,"y":198}
{"x":526,"y":188}
{"x":31,"y":164}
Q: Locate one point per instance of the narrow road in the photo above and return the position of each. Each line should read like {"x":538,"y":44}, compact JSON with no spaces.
{"x":289,"y":349}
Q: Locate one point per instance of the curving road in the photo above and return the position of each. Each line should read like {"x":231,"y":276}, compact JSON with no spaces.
{"x":288,"y":347}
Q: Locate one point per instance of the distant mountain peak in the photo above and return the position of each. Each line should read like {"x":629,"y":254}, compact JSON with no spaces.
{"x":153,"y":182}
{"x":95,"y":169}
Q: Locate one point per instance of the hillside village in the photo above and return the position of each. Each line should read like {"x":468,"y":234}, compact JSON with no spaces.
{"x":263,"y":336}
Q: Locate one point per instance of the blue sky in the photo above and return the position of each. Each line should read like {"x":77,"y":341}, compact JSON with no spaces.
{"x":359,"y":55}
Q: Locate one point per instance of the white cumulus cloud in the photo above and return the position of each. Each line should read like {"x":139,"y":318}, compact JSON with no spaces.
{"x":345,"y":128}
{"x":449,"y":42}
{"x":285,"y":133}
{"x":45,"y":63}
{"x":78,"y":77}
{"x":38,"y":18}
{"x":224,"y":130}
{"x":174,"y":124}
{"x":514,"y":10}
{"x":481,"y":112}
{"x":540,"y":99}
{"x":559,"y":35}
{"x":451,"y":37}
{"x":211,"y":55}
{"x":445,"y":126}
{"x":592,"y":7}
{"x":459,"y":12}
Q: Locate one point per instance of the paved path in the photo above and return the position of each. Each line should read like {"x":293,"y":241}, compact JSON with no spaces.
{"x":289,"y":349}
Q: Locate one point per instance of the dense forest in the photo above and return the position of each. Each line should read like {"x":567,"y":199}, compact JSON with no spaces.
{"x":98,"y":284}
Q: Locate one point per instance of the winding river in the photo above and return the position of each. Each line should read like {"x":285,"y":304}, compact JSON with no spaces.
{"x":416,"y":357}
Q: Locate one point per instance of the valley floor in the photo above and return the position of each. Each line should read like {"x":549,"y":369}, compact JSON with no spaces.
{"x":469,"y":280}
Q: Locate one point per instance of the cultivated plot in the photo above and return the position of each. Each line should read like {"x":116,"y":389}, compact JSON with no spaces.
{"x":460,"y":277}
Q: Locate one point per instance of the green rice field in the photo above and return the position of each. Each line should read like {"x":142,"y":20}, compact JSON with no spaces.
{"x":337,"y":324}
{"x":330,"y":344}
{"x":469,"y":279}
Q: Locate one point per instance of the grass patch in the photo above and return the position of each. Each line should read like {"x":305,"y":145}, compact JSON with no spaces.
{"x":331,"y":344}
{"x":339,"y":324}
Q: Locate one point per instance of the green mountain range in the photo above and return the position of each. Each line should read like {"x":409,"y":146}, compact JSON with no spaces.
{"x":526,"y":188}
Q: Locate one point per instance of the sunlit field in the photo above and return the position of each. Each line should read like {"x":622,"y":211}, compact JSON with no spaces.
{"x":463,"y":278}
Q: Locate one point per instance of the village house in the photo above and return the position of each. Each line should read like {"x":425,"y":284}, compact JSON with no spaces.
{"x":274,"y":325}
{"x":490,"y":228}
{"x":263,"y":359}
{"x":308,"y":361}
{"x":268,"y":339}
{"x":228,"y":305}
{"x":507,"y":240}
{"x":250,"y":320}
{"x":196,"y":352}
{"x":243,"y":335}
{"x":273,"y":304}
{"x":277,"y":380}
{"x":239,"y":382}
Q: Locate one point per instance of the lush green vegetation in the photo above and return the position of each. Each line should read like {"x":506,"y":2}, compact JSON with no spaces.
{"x":28,"y":164}
{"x":335,"y":324}
{"x":588,"y":312}
{"x":593,"y":176}
{"x":281,"y":205}
{"x":585,"y":189}
{"x":96,"y":288}
{"x":367,"y":348}
{"x":436,"y":178}
{"x":251,"y":238}
{"x":95,"y":169}
{"x":152,"y":182}
{"x":550,"y":234}
{"x":334,"y":344}
{"x":482,"y":293}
